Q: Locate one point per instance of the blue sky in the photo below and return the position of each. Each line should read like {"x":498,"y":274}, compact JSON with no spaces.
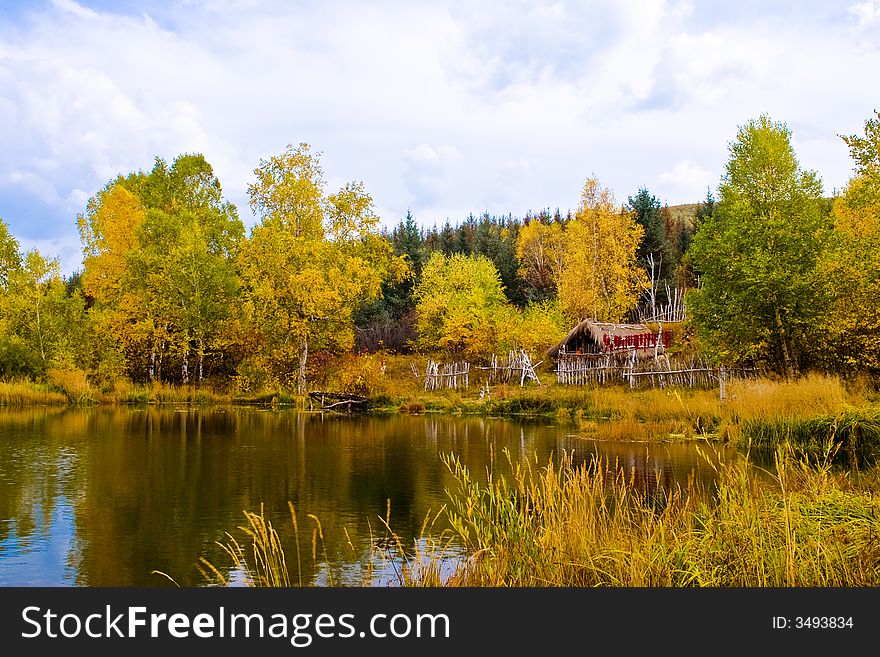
{"x":443,"y":107}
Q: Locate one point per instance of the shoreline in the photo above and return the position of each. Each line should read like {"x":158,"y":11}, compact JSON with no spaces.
{"x":809,"y":412}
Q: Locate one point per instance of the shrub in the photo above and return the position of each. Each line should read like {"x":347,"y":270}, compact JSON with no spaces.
{"x":16,"y":359}
{"x":360,"y":375}
{"x":72,"y":382}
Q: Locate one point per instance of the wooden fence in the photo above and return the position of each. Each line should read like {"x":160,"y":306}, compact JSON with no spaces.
{"x":449,"y":375}
{"x":589,"y":370}
{"x":517,"y":368}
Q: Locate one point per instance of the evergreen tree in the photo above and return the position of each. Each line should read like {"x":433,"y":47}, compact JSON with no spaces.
{"x":648,"y":215}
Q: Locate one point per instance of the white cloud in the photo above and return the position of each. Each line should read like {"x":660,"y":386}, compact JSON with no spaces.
{"x":682,"y":9}
{"x":66,"y":249}
{"x":430,"y":172}
{"x":30,"y":182}
{"x":686,"y":180}
{"x":446,"y":108}
{"x":866,"y":14}
{"x":76,"y":9}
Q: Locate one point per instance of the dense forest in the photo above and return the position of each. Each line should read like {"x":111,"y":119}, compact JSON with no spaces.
{"x":173,"y":288}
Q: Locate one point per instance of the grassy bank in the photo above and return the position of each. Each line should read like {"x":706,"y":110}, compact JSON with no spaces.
{"x":73,"y":388}
{"x":762,"y":413}
{"x":758,"y":413}
{"x":27,"y":393}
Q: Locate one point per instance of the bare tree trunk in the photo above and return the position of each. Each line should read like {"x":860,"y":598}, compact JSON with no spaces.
{"x":40,"y":334}
{"x":184,"y":369}
{"x":652,"y":292}
{"x":303,"y":359}
{"x":161,"y":356}
{"x":152,"y":369}
{"x":790,"y":366}
{"x":201,"y":359}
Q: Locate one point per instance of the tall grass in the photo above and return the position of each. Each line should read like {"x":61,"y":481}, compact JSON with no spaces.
{"x":590,"y":525}
{"x":857,"y":431}
{"x":764,"y":413}
{"x":812,"y":395}
{"x":261,"y":559}
{"x":27,"y":393}
{"x":135,"y":394}
{"x":72,"y":383}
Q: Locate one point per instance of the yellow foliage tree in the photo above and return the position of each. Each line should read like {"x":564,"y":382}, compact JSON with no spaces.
{"x":538,"y":327}
{"x":310,"y":263}
{"x":460,"y":306}
{"x":852,"y":265}
{"x":600,"y":278}
{"x":108,"y":230}
{"x":159,"y":262}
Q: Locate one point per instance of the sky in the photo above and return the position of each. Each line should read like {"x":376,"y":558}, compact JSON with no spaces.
{"x":444,"y":108}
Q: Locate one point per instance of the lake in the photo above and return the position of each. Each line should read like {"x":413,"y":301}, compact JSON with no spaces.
{"x":105,"y":496}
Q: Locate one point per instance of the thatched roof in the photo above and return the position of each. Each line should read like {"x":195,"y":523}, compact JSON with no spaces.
{"x":598,"y":332}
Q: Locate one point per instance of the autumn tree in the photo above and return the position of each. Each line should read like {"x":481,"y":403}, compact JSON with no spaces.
{"x":310,"y":263}
{"x":539,"y":326}
{"x":760,"y":290}
{"x":40,"y":322}
{"x":540,"y":251}
{"x":388,"y":322}
{"x":460,"y":305}
{"x":600,"y":279}
{"x":160,"y":256}
{"x":852,"y":264}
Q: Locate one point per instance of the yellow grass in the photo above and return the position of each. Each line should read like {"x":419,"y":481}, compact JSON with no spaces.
{"x":812,"y":395}
{"x":24,"y":393}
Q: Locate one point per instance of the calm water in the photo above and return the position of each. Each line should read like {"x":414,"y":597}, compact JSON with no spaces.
{"x":105,"y":496}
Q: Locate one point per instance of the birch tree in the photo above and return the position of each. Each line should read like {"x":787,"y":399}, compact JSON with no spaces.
{"x":540,"y":249}
{"x":460,"y":306}
{"x":40,"y":323}
{"x":600,"y":278}
{"x":160,"y":255}
{"x":310,"y":263}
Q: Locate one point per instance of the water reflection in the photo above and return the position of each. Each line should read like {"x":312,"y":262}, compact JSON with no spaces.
{"x":105,"y":496}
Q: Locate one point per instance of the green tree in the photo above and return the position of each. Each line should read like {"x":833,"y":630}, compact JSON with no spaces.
{"x":759,"y":294}
{"x":160,"y":264}
{"x":408,"y":242}
{"x":10,"y":258}
{"x":40,"y":322}
{"x":646,"y":209}
{"x":406,"y":239}
{"x":496,"y":238}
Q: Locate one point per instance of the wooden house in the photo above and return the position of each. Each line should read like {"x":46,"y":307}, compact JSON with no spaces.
{"x":591,"y":338}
